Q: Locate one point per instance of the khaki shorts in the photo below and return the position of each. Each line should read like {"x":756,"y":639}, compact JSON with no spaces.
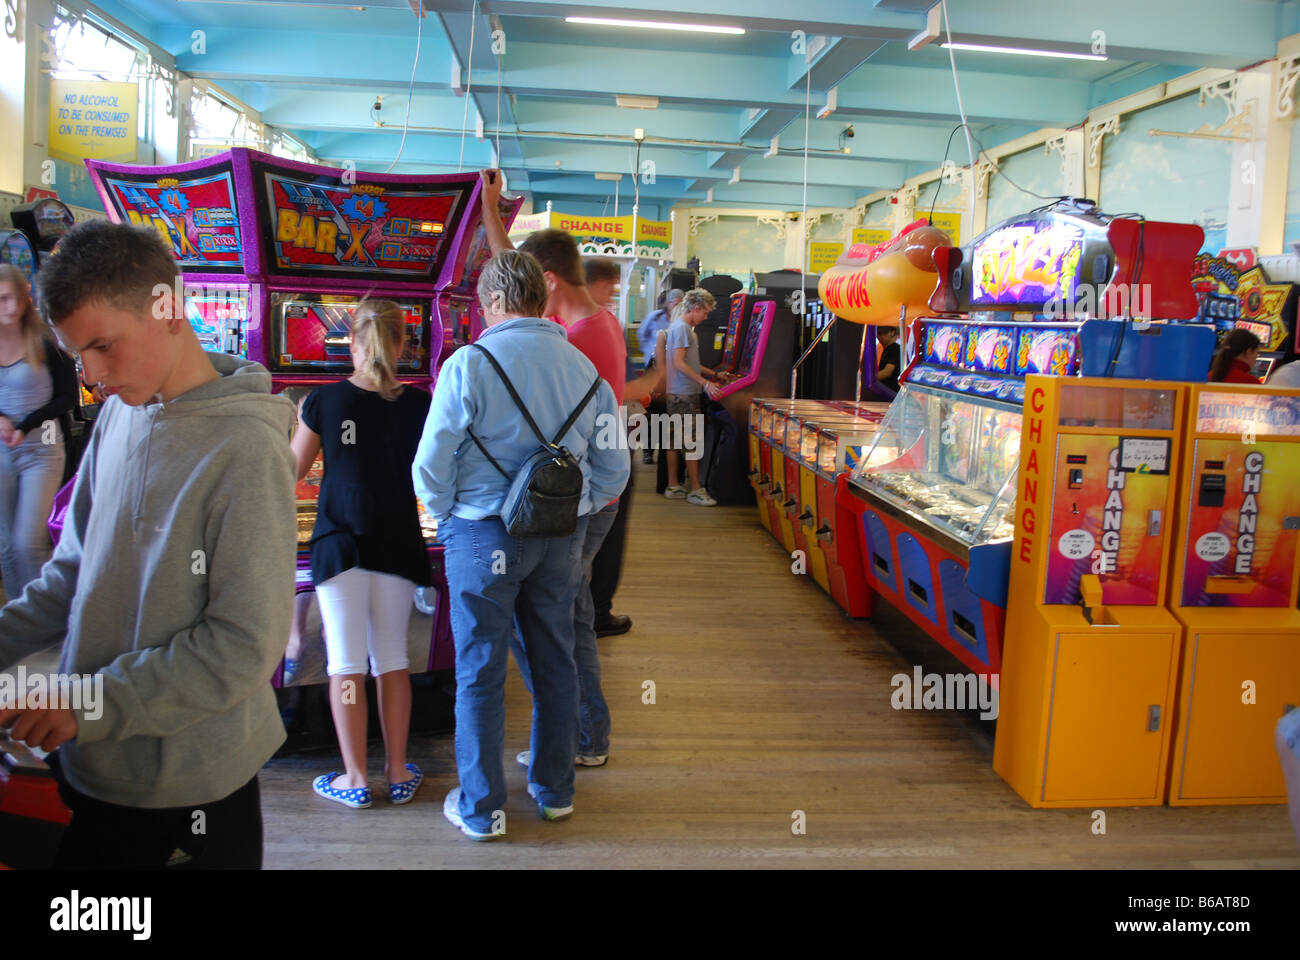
{"x":683,"y":403}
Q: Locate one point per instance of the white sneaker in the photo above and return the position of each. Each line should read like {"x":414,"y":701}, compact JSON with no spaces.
{"x":701,"y":498}
{"x":675,"y":493}
{"x":526,"y":757}
{"x":450,"y":810}
{"x":551,"y":813}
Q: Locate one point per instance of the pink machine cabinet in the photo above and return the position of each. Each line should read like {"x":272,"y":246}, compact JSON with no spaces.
{"x":275,"y":255}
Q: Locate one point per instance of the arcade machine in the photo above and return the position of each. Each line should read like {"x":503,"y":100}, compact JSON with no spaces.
{"x":751,"y":345}
{"x":1235,"y":570}
{"x":456,"y":305}
{"x":933,"y":497}
{"x":1232,"y":297}
{"x":43,"y":222}
{"x":275,"y":255}
{"x":17,"y":250}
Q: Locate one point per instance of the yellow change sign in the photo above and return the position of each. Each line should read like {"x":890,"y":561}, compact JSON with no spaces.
{"x":93,"y":120}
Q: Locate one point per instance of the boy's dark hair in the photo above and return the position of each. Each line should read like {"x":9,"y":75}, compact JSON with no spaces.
{"x":557,"y":252}
{"x":601,"y":268}
{"x":102,"y":262}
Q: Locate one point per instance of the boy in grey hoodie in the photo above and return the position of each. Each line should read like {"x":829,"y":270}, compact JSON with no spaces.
{"x":173,"y":580}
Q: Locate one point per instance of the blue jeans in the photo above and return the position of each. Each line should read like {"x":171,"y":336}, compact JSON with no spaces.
{"x":29,"y":479}
{"x":593,"y":712}
{"x":495,"y":580}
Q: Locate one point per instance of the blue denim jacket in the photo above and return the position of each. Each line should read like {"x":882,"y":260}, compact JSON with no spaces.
{"x":551,"y":375}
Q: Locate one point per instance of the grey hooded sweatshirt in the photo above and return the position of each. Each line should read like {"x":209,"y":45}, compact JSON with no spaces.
{"x":173,"y":580}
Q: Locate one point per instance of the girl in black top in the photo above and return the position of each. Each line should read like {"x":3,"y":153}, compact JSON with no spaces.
{"x":367,"y":552}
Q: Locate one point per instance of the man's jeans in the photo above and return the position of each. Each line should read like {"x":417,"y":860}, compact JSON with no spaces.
{"x":494,"y":580}
{"x":593,"y":730}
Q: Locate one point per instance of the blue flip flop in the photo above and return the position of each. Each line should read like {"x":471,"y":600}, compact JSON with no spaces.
{"x":405,"y":792}
{"x":358,"y":798}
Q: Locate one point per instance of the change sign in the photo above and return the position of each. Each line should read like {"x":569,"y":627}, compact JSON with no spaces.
{"x":93,"y":120}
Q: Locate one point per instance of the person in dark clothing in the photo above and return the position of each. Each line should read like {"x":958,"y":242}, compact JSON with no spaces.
{"x":367,"y":550}
{"x":891,"y":358}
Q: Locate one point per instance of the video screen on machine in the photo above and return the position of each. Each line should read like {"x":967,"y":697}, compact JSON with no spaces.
{"x":313,"y":331}
{"x":1035,"y":262}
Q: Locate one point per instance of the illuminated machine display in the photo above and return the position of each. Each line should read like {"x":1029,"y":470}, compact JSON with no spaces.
{"x":275,"y":255}
{"x":933,"y":499}
{"x":1233,"y":591}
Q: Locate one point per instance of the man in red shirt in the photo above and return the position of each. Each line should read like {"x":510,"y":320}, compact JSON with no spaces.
{"x":596,"y":332}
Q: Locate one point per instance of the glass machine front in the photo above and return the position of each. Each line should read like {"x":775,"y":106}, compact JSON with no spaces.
{"x":947,"y":462}
{"x":313,"y":332}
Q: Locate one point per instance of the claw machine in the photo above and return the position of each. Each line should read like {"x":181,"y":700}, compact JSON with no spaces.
{"x":1236,"y":566}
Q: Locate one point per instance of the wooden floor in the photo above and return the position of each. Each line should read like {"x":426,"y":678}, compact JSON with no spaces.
{"x":768,"y":702}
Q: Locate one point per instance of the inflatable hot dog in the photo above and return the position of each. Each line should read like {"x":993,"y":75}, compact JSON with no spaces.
{"x":868,"y":284}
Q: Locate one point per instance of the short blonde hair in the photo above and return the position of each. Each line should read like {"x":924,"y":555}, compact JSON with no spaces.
{"x":514,"y":281}
{"x":694,"y":300}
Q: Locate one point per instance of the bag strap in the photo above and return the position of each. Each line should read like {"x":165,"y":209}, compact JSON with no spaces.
{"x":577,"y":411}
{"x":514,"y":395}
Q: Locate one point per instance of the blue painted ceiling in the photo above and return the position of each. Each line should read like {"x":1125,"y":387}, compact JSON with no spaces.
{"x":315,"y":68}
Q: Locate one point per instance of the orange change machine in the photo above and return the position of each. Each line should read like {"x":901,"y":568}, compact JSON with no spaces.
{"x":1091,"y":650}
{"x":1235,"y":566}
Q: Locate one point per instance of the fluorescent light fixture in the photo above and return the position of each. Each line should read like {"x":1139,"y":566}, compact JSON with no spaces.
{"x":832,"y":101}
{"x":735,"y":176}
{"x":655,"y":25}
{"x":1021,"y":51}
{"x":931,"y":31}
{"x":708,"y":197}
{"x":773,"y":147}
{"x":609,"y":176}
{"x":636,"y":103}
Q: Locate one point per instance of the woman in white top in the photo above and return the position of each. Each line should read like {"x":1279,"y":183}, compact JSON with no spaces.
{"x":38,"y":387}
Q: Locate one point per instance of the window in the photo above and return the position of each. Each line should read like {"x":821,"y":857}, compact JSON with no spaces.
{"x":217,"y":125}
{"x":81,"y":49}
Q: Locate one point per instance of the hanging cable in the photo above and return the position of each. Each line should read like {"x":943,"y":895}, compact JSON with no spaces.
{"x":961,"y":108}
{"x":469,"y":83}
{"x":498,"y":110}
{"x":807,"y":111}
{"x":410,"y":93}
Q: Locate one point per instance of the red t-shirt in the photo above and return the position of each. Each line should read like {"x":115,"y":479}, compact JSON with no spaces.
{"x":600,"y":338}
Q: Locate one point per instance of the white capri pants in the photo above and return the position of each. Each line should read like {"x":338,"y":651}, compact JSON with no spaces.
{"x":361,"y":611}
